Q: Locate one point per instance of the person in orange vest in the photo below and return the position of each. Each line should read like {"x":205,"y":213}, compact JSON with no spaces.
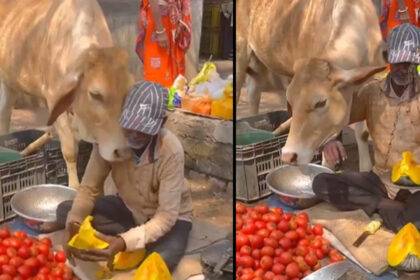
{"x":396,"y":12}
{"x":163,"y":39}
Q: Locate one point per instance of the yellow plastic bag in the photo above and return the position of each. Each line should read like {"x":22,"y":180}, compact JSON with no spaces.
{"x":406,"y":169}
{"x":86,"y":239}
{"x":404,"y":250}
{"x":153,"y":268}
{"x":223,"y":108}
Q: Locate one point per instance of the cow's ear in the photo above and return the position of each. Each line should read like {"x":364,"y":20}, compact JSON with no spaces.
{"x":342,"y":77}
{"x":62,"y":104}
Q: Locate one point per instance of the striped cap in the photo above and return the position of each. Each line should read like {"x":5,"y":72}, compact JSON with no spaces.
{"x":404,"y":44}
{"x":144,"y":108}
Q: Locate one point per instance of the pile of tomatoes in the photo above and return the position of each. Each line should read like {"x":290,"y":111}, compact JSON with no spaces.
{"x":275,"y":245}
{"x":25,"y":257}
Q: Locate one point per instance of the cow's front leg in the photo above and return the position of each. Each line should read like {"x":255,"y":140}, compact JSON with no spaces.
{"x":69,"y":147}
{"x":7,"y":101}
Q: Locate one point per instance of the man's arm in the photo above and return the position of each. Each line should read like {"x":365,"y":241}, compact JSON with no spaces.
{"x":92,"y":185}
{"x":171,"y":180}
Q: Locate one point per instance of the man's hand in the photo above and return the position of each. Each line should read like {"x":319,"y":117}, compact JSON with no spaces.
{"x":116,"y":245}
{"x":334,"y":152}
{"x":71,"y":230}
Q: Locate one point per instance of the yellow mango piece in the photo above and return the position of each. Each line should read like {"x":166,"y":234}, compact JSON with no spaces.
{"x":404,"y":249}
{"x":406,"y":168}
{"x":128,"y":260}
{"x":85,"y":238}
{"x":153,"y":268}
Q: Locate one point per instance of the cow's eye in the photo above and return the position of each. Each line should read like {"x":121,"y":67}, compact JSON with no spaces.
{"x":96,"y":96}
{"x":320,"y":104}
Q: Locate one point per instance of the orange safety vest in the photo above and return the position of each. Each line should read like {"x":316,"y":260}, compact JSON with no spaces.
{"x":390,"y":17}
{"x":164,"y":65}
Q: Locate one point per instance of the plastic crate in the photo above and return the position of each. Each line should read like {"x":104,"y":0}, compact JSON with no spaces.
{"x":46,"y":166}
{"x":255,"y":161}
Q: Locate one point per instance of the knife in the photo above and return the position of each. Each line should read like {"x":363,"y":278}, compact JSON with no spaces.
{"x":370,"y":229}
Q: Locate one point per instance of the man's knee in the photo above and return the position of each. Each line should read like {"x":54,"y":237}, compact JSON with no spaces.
{"x":320,"y":184}
{"x":171,"y":258}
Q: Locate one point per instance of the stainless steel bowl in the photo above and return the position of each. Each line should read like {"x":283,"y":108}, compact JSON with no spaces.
{"x":293,"y":184}
{"x":37,"y":205}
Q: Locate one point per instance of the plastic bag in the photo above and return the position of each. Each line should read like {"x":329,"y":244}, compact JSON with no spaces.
{"x":407,"y":170}
{"x":223,"y":108}
{"x":153,"y":268}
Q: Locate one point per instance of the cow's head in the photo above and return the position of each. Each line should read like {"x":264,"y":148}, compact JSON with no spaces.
{"x":94,"y":93}
{"x":320,"y":97}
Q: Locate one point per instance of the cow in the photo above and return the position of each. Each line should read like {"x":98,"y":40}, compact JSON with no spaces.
{"x":327,"y":48}
{"x":62,"y":52}
{"x":261,"y":79}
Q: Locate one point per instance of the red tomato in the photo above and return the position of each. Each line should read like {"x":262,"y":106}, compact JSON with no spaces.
{"x":276,"y":234}
{"x":44,"y":270}
{"x":318,"y":229}
{"x":286,"y":258}
{"x":260,"y":224}
{"x":302,"y":264}
{"x":43,"y":249}
{"x":283,"y":226}
{"x":8,"y":269}
{"x":301,"y":232}
{"x":269,"y":275}
{"x":278,"y":268}
{"x":20,"y":234}
{"x":266,"y":262}
{"x":266,"y":217}
{"x":277,"y":210}
{"x":317,"y":244}
{"x":263,"y":232}
{"x":6,"y":242}
{"x":32,"y":262}
{"x":247,"y":277}
{"x":280,"y":277}
{"x":292,"y":270}
{"x":304,"y":242}
{"x":4,"y":260}
{"x":5,"y":277}
{"x":293,"y":224}
{"x":46,"y":241}
{"x":267,"y":251}
{"x":278,"y":251}
{"x":247,"y":261}
{"x":239,"y":223}
{"x":28,"y":242}
{"x":2,"y":250}
{"x":58,"y":272}
{"x":335,"y":258}
{"x":4,"y":233}
{"x":261,"y":208}
{"x":292,"y":235}
{"x":301,"y":250}
{"x":42,"y":259}
{"x":271,"y":242}
{"x":256,"y":241}
{"x":256,"y":254}
{"x":25,"y":271}
{"x":245,"y":250}
{"x":319,"y":254}
{"x":311,"y":260}
{"x":61,"y":257}
{"x":15,"y":242}
{"x":16,"y":261}
{"x":325,"y":249}
{"x":240,"y":208}
{"x":287,"y":216}
{"x":34,"y":251}
{"x":255,"y":215}
{"x":241,"y":240}
{"x":301,"y":222}
{"x":24,"y":252}
{"x":271,"y":226}
{"x":11,"y":252}
{"x":248,"y":228}
{"x":272,"y":217}
{"x":285,"y":243}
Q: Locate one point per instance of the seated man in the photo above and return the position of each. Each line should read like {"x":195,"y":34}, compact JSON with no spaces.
{"x":153,"y":208}
{"x":392,"y":111}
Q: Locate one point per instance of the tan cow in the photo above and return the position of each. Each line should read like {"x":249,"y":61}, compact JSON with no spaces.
{"x":62,"y":52}
{"x":327,"y":47}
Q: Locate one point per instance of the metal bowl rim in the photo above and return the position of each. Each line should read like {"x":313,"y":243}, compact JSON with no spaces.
{"x":33,"y":187}
{"x":270,"y":174}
